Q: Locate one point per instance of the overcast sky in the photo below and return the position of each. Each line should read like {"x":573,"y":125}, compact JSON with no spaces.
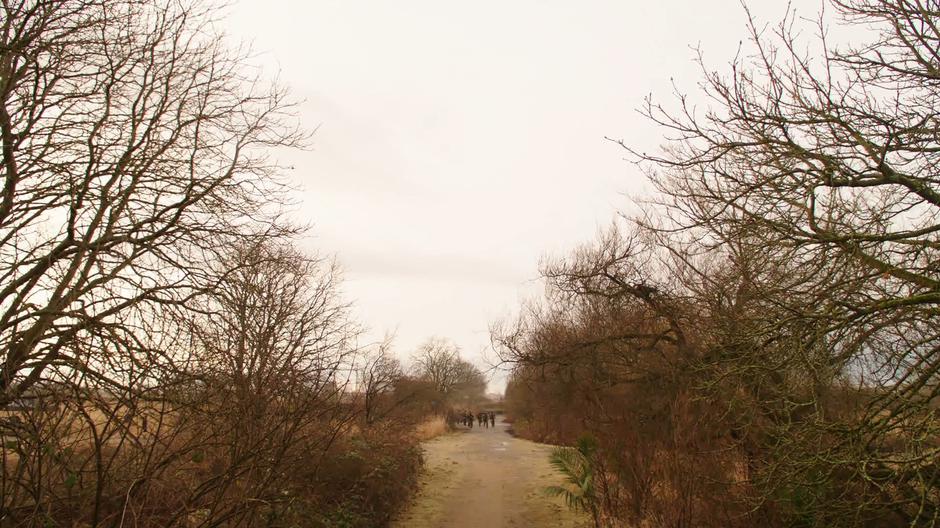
{"x":460,"y":142}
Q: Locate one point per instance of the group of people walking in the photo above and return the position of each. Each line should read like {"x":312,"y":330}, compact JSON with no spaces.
{"x":483,"y":419}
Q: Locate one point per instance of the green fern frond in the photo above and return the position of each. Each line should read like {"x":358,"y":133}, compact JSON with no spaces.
{"x":574,"y":464}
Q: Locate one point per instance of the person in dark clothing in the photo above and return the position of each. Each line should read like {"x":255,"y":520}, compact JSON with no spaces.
{"x":493,"y":419}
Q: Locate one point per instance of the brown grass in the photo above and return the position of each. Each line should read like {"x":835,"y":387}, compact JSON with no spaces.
{"x":430,"y":428}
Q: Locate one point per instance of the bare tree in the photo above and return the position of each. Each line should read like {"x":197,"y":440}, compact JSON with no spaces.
{"x":781,"y":285}
{"x":813,"y":178}
{"x":275,"y":347}
{"x":378,"y":375}
{"x":133,"y":149}
{"x":134,"y":162}
{"x":438,"y":362}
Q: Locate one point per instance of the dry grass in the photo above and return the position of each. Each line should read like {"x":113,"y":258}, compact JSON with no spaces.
{"x":430,"y":428}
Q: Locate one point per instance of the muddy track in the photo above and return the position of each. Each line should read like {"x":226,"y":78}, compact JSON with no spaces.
{"x":483,"y":478}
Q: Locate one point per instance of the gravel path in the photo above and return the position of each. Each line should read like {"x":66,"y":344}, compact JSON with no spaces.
{"x":485,"y":478}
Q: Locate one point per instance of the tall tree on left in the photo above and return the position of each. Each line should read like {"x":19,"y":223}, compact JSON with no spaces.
{"x":134,"y":147}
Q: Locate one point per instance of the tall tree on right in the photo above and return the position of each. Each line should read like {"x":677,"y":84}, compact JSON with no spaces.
{"x":808,"y":194}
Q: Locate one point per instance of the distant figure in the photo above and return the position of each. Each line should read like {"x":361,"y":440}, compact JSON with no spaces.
{"x":493,"y":419}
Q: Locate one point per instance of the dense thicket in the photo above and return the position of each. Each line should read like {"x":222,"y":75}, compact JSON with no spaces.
{"x":761,"y":346}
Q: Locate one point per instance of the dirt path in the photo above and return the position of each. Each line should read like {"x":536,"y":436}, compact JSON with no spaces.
{"x":485,"y":478}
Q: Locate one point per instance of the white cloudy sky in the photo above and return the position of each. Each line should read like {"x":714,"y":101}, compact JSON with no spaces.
{"x":459,"y":142}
